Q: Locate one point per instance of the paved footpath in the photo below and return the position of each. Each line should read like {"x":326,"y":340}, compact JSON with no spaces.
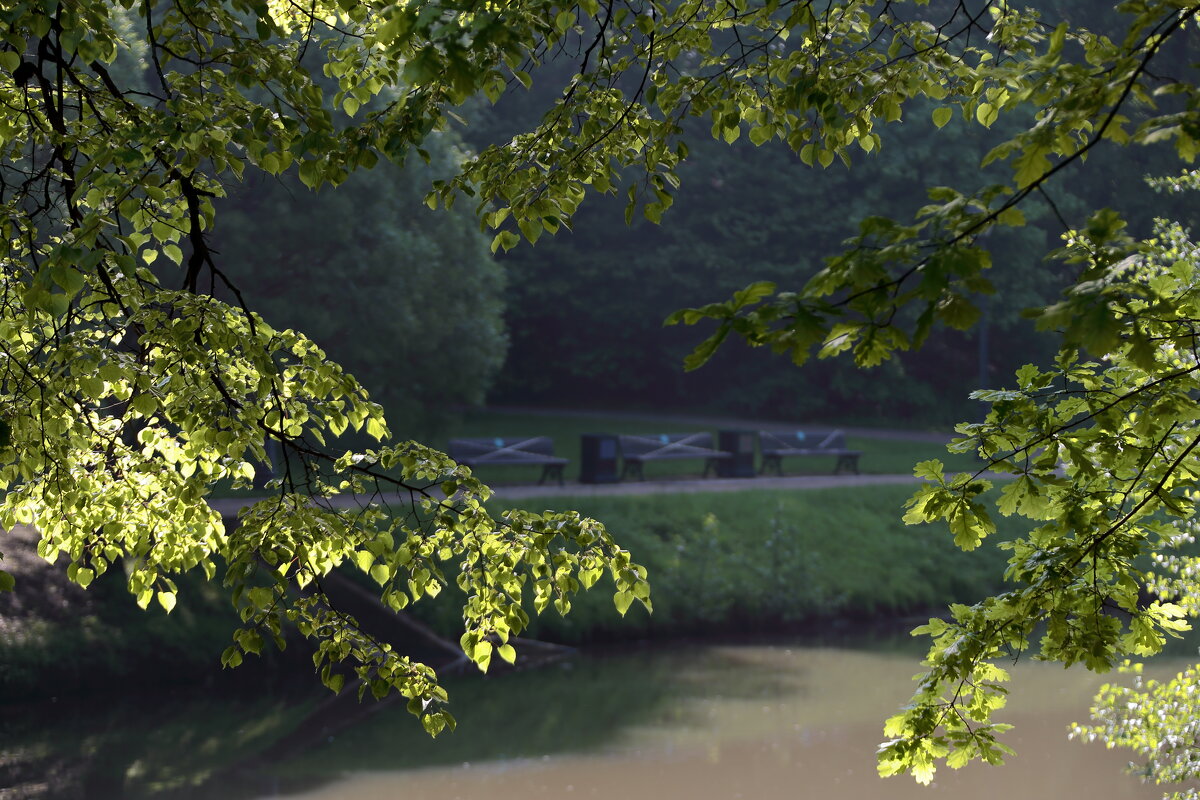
{"x":687,"y":486}
{"x":229,"y":506}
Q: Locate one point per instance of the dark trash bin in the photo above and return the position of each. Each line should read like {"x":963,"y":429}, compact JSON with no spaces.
{"x":742,"y":445}
{"x":598,"y":458}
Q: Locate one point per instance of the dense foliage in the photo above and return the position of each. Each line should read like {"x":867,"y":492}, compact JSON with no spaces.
{"x":130,"y":387}
{"x":124,"y":400}
{"x":585,"y":307}
{"x":384,"y":285}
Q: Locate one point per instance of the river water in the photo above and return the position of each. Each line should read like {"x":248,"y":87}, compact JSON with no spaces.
{"x":699,"y":722}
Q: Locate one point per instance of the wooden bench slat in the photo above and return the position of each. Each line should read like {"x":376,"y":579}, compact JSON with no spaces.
{"x":775,"y":446}
{"x":636,"y":449}
{"x":534,"y":450}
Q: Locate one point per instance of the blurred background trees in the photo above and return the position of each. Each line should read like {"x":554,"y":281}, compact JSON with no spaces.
{"x":407,"y":299}
{"x":585,"y":307}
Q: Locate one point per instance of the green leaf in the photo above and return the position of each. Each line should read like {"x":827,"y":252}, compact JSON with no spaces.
{"x":1031,"y":165}
{"x":986,"y":114}
{"x":753,"y":293}
{"x":377,"y":429}
{"x":71,"y":280}
{"x":931,"y":470}
{"x":311,"y":173}
{"x":7,"y":582}
{"x":958,"y":312}
{"x":705,"y":350}
{"x":761,"y":134}
{"x":433,"y":723}
{"x":231,"y":657}
{"x":896,"y":725}
{"x":482,"y":656}
{"x":922,"y":770}
{"x":623,"y":600}
{"x":1013,"y":217}
{"x":941,"y":116}
{"x":166,"y":600}
{"x":144,"y":404}
{"x":505,"y":239}
{"x":970,"y":524}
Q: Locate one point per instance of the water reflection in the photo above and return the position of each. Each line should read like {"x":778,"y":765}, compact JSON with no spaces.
{"x":130,"y":746}
{"x":703,"y":722}
{"x":748,"y":722}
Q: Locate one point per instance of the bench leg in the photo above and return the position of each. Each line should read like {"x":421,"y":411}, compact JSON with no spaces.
{"x":849,"y":462}
{"x":771,"y":462}
{"x":553,"y":471}
{"x":632,"y":468}
{"x":709,"y":464}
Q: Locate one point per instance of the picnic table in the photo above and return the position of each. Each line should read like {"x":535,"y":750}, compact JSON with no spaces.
{"x":530,"y":450}
{"x":775,"y":446}
{"x":637,"y":449}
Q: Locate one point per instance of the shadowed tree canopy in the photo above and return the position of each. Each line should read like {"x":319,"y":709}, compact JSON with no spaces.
{"x":131,"y":388}
{"x":126,"y":396}
{"x":387,"y":287}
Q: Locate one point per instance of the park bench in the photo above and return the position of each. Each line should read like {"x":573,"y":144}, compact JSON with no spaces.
{"x":636,"y":450}
{"x":775,"y":446}
{"x":536,"y":450}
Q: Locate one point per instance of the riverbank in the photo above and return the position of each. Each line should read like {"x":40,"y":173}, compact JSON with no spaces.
{"x":757,"y":559}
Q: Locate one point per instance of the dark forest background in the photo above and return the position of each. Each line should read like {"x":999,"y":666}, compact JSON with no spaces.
{"x":411,"y":301}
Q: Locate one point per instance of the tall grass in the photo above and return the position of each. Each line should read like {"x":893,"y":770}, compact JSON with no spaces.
{"x":758,"y":559}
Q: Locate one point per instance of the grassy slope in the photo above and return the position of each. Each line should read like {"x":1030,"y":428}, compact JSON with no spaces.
{"x":737,"y":561}
{"x":760,"y":558}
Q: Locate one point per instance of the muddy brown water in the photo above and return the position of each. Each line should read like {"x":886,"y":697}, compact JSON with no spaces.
{"x":775,"y":722}
{"x":702,"y":722}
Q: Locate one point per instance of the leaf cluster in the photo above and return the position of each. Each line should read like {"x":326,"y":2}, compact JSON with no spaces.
{"x":125,"y":400}
{"x":1101,"y":458}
